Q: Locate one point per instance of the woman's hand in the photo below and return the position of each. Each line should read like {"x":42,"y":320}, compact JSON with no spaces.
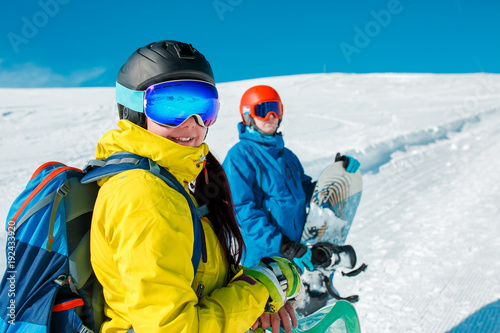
{"x":286,"y":314}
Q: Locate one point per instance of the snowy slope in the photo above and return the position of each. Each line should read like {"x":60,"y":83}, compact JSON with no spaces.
{"x":429,"y":147}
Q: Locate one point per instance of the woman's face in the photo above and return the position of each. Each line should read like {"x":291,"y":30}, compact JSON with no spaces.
{"x":189,"y":133}
{"x":268,"y":126}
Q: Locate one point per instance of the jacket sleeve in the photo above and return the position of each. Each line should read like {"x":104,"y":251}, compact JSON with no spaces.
{"x":148,"y":225}
{"x":262,"y":238}
{"x":307,"y":184}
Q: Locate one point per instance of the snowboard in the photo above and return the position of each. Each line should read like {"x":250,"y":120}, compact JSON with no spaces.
{"x":332,"y":209}
{"x":333,"y":206}
{"x":340,"y":317}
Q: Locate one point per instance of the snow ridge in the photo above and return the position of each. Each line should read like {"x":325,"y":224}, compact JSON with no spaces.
{"x":380,"y":154}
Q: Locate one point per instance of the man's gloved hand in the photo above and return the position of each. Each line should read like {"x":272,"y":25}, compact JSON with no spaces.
{"x":351,"y":164}
{"x":282,"y":281}
{"x":297,"y":253}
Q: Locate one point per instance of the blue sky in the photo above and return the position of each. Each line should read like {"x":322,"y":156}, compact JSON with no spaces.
{"x":67,"y":43}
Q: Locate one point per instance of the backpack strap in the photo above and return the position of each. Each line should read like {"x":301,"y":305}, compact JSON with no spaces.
{"x":199,"y":245}
{"x":14,"y":224}
{"x":123,"y":161}
{"x":60,"y":194}
{"x":54,"y":197}
{"x":113,"y":165}
{"x":35,"y":208}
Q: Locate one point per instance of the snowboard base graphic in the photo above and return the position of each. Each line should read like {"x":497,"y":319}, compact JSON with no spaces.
{"x":332,"y":209}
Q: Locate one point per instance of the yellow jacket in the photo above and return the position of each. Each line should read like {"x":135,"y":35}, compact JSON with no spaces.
{"x":142,"y":243}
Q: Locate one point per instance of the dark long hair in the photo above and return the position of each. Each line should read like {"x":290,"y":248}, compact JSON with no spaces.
{"x":212,"y":189}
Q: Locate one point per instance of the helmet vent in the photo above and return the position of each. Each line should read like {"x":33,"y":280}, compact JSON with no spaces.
{"x":145,"y":56}
{"x":184,"y":51}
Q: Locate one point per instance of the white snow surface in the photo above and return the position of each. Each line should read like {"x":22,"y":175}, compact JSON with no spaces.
{"x":429,"y":146}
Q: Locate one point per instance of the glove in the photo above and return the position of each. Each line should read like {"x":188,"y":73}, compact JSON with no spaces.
{"x":351,"y":164}
{"x":297,"y":253}
{"x":282,"y":281}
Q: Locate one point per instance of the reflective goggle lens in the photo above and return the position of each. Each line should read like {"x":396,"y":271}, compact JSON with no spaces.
{"x":172,"y":103}
{"x":263,"y":110}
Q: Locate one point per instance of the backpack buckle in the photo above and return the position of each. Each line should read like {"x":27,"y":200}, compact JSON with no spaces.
{"x":63,"y":189}
{"x":61,"y":280}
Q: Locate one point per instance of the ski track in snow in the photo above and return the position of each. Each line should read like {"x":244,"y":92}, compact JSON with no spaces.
{"x":377,"y":155}
{"x":429,"y":273}
{"x":428,"y":221}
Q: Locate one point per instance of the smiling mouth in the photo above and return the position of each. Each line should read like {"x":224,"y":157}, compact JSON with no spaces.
{"x":182,"y":139}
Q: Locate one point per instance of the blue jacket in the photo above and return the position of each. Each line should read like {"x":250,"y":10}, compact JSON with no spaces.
{"x":270,"y":192}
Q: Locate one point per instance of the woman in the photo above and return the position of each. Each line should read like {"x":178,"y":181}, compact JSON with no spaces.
{"x":142,"y":232}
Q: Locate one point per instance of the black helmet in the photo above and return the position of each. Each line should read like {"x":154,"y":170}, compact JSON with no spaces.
{"x":161,"y":61}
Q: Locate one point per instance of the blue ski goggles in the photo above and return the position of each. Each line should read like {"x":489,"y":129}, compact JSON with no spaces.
{"x":171,"y":103}
{"x":264,"y":110}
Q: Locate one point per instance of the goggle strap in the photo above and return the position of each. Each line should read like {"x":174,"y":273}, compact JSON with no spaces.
{"x":132,"y":99}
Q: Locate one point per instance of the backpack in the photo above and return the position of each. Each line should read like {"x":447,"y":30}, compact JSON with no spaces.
{"x":49,"y":284}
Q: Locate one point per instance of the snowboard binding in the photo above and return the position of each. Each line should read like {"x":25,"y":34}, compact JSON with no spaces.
{"x":327,"y":258}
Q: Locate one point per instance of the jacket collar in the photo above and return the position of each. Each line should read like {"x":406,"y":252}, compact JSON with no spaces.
{"x":184,"y":162}
{"x":272,"y":142}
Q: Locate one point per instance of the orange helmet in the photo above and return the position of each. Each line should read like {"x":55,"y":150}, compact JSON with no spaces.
{"x":260,"y":102}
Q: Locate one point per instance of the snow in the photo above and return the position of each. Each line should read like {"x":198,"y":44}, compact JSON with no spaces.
{"x":429,"y":144}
